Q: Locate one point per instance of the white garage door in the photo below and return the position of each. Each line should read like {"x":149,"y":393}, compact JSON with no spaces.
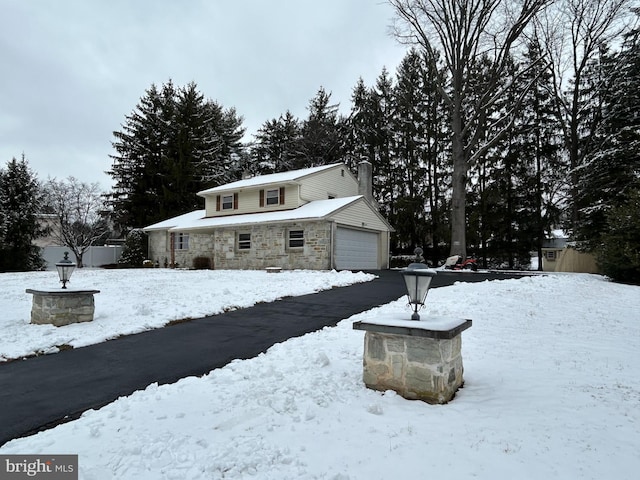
{"x":356,"y":250}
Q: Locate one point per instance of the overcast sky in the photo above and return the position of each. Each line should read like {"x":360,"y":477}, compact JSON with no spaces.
{"x":71,"y":70}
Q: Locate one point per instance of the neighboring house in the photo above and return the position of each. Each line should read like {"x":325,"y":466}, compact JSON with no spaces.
{"x":316,"y":218}
{"x":559,"y":255}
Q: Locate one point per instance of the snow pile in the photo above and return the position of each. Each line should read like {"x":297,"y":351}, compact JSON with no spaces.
{"x":132,"y":301}
{"x":552,"y":391}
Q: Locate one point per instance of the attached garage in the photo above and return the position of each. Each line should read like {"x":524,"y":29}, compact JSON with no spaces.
{"x":356,"y":249}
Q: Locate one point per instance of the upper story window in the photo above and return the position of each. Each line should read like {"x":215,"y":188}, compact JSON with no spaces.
{"x":227,"y":202}
{"x":273,"y":196}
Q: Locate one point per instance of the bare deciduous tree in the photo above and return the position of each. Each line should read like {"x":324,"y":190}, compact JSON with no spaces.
{"x":464,"y":32}
{"x":78,"y":208}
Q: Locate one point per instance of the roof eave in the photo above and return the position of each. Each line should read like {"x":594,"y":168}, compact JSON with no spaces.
{"x":219,"y":190}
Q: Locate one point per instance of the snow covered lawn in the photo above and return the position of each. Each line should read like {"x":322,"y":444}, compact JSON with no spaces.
{"x":552,"y":370}
{"x":132,"y":301}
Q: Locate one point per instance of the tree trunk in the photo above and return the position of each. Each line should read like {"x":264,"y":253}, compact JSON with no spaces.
{"x":458,"y":187}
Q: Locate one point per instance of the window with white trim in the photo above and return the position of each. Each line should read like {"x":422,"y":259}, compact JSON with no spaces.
{"x":296,"y":238}
{"x":244,"y":241}
{"x":181,"y":241}
{"x":227,"y":202}
{"x":273,"y":196}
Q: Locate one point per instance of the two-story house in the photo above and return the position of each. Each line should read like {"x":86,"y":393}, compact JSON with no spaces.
{"x":315,"y":218}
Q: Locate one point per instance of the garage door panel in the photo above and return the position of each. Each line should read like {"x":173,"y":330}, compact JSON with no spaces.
{"x":356,"y":249}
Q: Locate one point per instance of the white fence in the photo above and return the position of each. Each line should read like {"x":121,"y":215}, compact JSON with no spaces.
{"x":93,"y":258}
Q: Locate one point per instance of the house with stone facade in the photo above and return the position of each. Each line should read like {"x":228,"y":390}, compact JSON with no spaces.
{"x":316,"y":218}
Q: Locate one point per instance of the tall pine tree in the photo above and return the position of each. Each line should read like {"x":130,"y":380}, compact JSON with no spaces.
{"x":174,"y":144}
{"x":20,"y":203}
{"x":322,"y":140}
{"x":277,"y":145}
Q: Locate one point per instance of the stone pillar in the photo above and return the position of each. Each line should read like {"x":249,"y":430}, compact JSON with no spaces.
{"x":61,"y":307}
{"x":420,"y":360}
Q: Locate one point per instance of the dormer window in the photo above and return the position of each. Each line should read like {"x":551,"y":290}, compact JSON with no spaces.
{"x":273,"y":196}
{"x":227,"y":202}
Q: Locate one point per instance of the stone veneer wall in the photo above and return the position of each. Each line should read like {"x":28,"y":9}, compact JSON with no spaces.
{"x":268,"y":247}
{"x":418,"y":368}
{"x":62,"y":307}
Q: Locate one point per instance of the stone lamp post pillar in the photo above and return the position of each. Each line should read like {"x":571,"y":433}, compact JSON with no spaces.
{"x":62,"y":306}
{"x":420,"y":359}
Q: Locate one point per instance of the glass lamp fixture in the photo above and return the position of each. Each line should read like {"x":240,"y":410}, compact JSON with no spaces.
{"x":65,"y":268}
{"x":417,"y":277}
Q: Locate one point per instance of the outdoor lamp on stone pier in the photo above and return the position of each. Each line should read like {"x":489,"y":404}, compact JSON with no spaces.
{"x":55,"y":307}
{"x":417,"y":277}
{"x":65,"y":268}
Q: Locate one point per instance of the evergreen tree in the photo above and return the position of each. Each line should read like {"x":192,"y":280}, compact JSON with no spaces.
{"x":227,"y":132}
{"x":20,"y":204}
{"x":385,"y":169}
{"x":516,"y":185}
{"x":322,"y":140}
{"x":174,"y":144}
{"x":277,"y":144}
{"x":419,"y":126}
{"x":401,"y":130}
{"x":361,"y":125}
{"x":465,"y":31}
{"x":134,"y":251}
{"x":619,"y":252}
{"x":611,"y":170}
{"x":409,"y":128}
{"x":610,"y":180}
{"x":586,"y":131}
{"x":140,"y":148}
{"x":540,"y":149}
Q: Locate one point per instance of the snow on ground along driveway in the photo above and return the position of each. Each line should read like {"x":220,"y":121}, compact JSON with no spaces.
{"x":132,"y":301}
{"x":552,"y":370}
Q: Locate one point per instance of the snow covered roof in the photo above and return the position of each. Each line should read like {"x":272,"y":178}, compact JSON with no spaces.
{"x":282,"y":177}
{"x":197,"y":220}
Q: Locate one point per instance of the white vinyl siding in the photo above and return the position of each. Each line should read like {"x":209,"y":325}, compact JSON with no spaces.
{"x":319,"y":185}
{"x":360,"y":215}
{"x":249,"y":201}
